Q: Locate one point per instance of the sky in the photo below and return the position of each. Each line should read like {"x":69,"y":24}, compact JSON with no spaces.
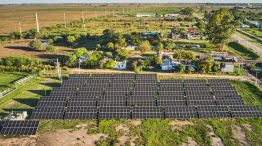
{"x":127,"y":1}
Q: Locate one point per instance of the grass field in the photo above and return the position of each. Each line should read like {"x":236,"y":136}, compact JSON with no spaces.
{"x":254,"y":31}
{"x":26,"y":97}
{"x":7,"y":78}
{"x":243,"y":51}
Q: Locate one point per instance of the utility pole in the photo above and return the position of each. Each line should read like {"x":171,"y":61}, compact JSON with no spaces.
{"x":58,"y":70}
{"x":82,"y":17}
{"x":256,"y":78}
{"x":65,"y":19}
{"x":37,"y":24}
{"x":79,"y":66}
{"x":105,"y":13}
{"x":96,"y":14}
{"x":20,"y":29}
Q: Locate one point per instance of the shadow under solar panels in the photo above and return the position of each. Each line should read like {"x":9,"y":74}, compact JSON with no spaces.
{"x":52,"y":112}
{"x":112,"y":101}
{"x":147,"y":112}
{"x":75,"y":112}
{"x":180,"y":112}
{"x":165,"y":103}
{"x":114,"y":112}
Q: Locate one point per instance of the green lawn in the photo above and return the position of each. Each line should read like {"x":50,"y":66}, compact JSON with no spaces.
{"x":243,"y":51}
{"x":254,"y":31}
{"x":26,"y":97}
{"x":7,"y":78}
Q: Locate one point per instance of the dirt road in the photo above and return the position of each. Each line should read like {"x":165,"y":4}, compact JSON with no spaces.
{"x":246,"y":43}
{"x":178,"y":75}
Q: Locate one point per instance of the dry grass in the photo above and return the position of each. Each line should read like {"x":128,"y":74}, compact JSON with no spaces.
{"x":10,"y":17}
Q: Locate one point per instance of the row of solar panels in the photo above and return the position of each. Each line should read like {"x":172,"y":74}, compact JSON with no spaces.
{"x":137,"y":101}
{"x":181,"y":112}
{"x":25,"y":127}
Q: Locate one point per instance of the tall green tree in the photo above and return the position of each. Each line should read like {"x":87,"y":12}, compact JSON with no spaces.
{"x":220,"y":26}
{"x":145,"y":46}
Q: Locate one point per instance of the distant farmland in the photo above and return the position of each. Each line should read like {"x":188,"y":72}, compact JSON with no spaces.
{"x":10,"y":16}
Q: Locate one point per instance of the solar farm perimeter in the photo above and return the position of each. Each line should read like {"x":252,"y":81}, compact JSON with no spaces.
{"x":134,"y":96}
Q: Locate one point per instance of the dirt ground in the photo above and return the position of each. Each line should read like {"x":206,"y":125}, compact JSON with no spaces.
{"x":63,"y":137}
{"x":20,"y":48}
{"x":239,"y":134}
{"x":216,"y":141}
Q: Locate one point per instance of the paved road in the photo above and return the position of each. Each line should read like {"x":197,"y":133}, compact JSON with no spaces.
{"x":246,"y":43}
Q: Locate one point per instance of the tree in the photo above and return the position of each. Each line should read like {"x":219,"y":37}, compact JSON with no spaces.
{"x":36,"y":45}
{"x":108,"y":54}
{"x":215,"y":67}
{"x":110,"y":46}
{"x":98,"y":46}
{"x":51,"y":48}
{"x":201,"y":26}
{"x":181,"y":68}
{"x":169,"y":45}
{"x":187,"y":11}
{"x":70,"y":39}
{"x":220,"y":27}
{"x":145,"y":46}
{"x":184,"y":55}
{"x":80,"y":52}
{"x":160,"y":48}
{"x":122,"y":54}
{"x":110,"y":64}
{"x":189,"y":69}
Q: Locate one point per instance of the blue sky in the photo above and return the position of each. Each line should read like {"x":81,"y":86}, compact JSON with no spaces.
{"x":127,"y":1}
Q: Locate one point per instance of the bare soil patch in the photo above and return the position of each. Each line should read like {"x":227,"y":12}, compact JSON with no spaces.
{"x":216,"y":141}
{"x":21,"y":141}
{"x":190,"y":142}
{"x":69,"y":137}
{"x":136,"y":122}
{"x":239,"y":134}
{"x":176,"y":124}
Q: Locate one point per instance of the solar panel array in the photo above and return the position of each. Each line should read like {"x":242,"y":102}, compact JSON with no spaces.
{"x":124,"y":96}
{"x":14,"y":128}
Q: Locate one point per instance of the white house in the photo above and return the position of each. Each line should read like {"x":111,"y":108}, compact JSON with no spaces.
{"x":145,"y":15}
{"x":166,"y":65}
{"x":131,"y":48}
{"x":227,"y":67}
{"x":171,"y":15}
{"x":120,"y":65}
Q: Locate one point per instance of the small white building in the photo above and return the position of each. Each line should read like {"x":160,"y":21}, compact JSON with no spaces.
{"x":227,"y":68}
{"x":120,"y":65}
{"x":171,"y":15}
{"x":145,"y":15}
{"x":167,"y":65}
{"x":131,"y":48}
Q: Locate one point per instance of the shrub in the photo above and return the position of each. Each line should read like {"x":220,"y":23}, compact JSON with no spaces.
{"x":36,"y":45}
{"x":51,"y":48}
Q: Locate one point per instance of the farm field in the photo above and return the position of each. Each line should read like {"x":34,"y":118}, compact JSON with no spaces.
{"x":48,"y":16}
{"x":20,"y":48}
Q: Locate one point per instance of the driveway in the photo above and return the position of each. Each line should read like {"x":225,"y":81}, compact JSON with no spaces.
{"x":248,"y":44}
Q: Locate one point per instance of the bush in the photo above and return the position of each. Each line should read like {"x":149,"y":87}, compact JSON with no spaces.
{"x":181,"y":68}
{"x":51,"y":48}
{"x":20,"y":64}
{"x":36,"y":45}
